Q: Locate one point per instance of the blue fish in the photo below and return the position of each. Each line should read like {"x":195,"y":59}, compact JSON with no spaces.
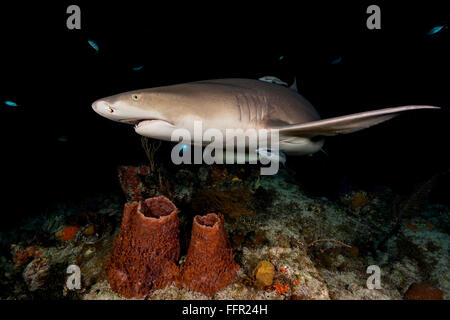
{"x":184,"y":147}
{"x":435,"y":30}
{"x":281,"y":58}
{"x":137,"y":68}
{"x":11,"y":103}
{"x":337,"y":60}
{"x":93,"y":44}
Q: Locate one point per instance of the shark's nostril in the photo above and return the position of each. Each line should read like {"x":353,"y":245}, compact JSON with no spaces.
{"x":102,"y":107}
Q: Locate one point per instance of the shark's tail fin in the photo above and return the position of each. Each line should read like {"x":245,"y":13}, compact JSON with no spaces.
{"x":346,"y":124}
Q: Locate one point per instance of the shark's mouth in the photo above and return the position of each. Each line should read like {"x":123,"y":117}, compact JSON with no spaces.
{"x":136,"y":122}
{"x":142,"y":123}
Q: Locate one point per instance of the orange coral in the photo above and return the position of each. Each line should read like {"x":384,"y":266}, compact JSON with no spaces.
{"x":68,"y":233}
{"x":281,"y":288}
{"x":22,"y":257}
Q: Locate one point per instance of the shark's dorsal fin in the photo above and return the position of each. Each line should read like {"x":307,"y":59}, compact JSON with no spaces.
{"x":345,"y":124}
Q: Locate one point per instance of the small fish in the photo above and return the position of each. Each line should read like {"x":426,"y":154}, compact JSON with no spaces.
{"x":435,"y":30}
{"x":183,"y":148}
{"x":94,"y":45}
{"x":272,"y":79}
{"x":337,"y":60}
{"x":137,"y":68}
{"x":268,"y":154}
{"x":281,"y":58}
{"x":11,"y":103}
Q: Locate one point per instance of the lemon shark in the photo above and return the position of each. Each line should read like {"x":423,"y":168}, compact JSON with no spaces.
{"x":236,"y":104}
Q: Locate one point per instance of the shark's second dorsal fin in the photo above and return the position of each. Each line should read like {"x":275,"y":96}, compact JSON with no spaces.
{"x":345,"y":124}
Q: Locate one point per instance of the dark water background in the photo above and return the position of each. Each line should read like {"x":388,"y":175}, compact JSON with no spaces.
{"x":55,"y":75}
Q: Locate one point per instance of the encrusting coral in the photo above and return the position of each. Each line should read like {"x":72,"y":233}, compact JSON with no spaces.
{"x":147,"y":248}
{"x":209,"y":264}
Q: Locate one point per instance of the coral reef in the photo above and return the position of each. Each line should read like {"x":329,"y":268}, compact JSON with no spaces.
{"x":147,"y":248}
{"x":209,"y":264}
{"x":319,"y":247}
{"x":22,"y":256}
{"x":68,"y":233}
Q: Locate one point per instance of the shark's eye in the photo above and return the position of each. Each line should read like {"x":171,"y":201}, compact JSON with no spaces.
{"x":135,"y":96}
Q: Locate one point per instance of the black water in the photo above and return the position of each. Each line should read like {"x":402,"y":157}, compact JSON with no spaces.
{"x":55,"y":75}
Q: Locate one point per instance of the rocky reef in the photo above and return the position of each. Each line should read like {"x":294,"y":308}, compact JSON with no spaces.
{"x":288,"y":243}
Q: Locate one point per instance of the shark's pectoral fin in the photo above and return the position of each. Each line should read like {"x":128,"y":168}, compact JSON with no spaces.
{"x":156,"y":129}
{"x":345,"y":124}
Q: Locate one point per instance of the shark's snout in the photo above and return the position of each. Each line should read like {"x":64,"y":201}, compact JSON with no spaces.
{"x":102,"y":107}
{"x":115,"y":112}
{"x":107,"y":110}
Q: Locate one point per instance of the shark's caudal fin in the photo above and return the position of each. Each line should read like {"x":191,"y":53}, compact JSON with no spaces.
{"x":346,"y":124}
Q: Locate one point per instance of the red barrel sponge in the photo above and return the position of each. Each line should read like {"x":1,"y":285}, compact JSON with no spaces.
{"x":209,"y":264}
{"x":147,"y":249}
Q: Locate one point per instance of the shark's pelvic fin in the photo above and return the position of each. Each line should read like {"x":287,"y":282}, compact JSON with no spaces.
{"x":346,"y":124}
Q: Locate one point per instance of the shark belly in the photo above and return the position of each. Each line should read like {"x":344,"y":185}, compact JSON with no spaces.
{"x":300,"y":146}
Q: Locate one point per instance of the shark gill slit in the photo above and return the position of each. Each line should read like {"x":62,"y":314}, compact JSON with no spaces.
{"x":240,"y":108}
